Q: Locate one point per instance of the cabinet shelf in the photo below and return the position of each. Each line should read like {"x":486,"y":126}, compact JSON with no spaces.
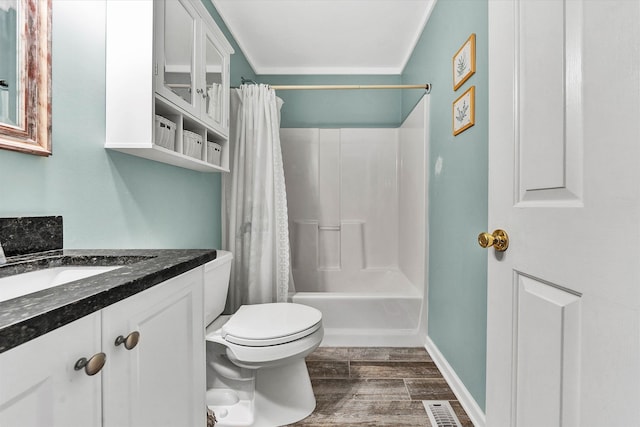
{"x":164,"y":155}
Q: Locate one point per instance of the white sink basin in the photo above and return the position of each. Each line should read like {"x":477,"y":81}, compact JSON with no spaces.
{"x":34,"y":281}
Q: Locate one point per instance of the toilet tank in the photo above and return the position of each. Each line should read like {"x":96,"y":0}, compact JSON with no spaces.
{"x":216,"y":285}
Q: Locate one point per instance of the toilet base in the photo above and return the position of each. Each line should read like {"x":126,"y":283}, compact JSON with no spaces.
{"x":283,"y":395}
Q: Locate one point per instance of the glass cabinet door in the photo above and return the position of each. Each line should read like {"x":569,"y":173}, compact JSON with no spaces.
{"x":214,"y":95}
{"x":179,"y":39}
{"x":191,"y":63}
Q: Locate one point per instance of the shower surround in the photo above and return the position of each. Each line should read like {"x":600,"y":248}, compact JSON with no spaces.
{"x":357,"y":201}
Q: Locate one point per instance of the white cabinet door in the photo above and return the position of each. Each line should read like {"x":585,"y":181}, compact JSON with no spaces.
{"x":161,"y":381}
{"x":563,"y":326}
{"x":177,"y":30}
{"x":39,"y":386}
{"x":214,"y":80}
{"x":192,"y":62}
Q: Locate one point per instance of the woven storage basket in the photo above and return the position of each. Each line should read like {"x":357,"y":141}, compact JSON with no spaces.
{"x":192,"y":144}
{"x":213,"y":153}
{"x":165,"y":135}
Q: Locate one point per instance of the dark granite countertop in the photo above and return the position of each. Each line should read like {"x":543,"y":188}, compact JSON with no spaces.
{"x":29,"y":316}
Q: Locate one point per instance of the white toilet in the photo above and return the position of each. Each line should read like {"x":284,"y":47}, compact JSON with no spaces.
{"x":256,"y":375}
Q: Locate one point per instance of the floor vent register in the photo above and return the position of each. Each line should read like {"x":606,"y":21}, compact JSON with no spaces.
{"x":441,"y":413}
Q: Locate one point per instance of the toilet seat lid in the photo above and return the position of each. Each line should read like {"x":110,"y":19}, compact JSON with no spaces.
{"x":271,"y":324}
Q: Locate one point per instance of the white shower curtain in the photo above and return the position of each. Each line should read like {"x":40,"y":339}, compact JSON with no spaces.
{"x":256,"y":229}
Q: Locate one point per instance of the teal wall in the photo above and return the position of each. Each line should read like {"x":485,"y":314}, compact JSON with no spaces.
{"x":108,"y":199}
{"x":458,"y":194}
{"x":338,"y":108}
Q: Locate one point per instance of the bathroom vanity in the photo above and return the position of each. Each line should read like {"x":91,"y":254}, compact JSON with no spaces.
{"x":143,"y":321}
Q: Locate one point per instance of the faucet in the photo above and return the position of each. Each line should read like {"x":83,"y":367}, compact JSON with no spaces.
{"x":3,"y":259}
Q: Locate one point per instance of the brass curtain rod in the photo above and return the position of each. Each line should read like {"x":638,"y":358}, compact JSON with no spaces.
{"x":426,"y":87}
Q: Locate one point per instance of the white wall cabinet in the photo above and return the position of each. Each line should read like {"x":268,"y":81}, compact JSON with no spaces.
{"x":158,"y":382}
{"x":169,"y":59}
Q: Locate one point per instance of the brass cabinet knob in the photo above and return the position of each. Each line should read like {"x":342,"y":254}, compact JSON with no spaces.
{"x":499,"y":240}
{"x":130,"y":341}
{"x":93,"y":365}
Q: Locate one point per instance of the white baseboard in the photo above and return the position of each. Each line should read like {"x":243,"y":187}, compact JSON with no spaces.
{"x":475,"y":413}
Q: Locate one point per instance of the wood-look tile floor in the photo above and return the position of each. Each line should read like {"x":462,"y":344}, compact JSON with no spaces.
{"x":358,"y":386}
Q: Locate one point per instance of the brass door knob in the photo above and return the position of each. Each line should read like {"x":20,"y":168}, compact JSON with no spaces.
{"x":93,"y":365}
{"x":499,"y":240}
{"x":130,"y":341}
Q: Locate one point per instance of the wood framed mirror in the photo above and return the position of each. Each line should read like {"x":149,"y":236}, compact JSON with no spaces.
{"x":25,"y":76}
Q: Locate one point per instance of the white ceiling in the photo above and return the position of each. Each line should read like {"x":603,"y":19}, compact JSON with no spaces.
{"x":326,"y":36}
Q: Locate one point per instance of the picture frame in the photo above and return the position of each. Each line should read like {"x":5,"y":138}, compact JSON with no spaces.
{"x":464,"y":62}
{"x":464,"y":111}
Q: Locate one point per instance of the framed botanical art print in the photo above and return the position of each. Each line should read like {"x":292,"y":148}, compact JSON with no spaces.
{"x":464,"y":62}
{"x":464,"y":111}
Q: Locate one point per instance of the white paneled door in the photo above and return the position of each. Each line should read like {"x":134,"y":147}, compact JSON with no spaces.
{"x":564,"y":182}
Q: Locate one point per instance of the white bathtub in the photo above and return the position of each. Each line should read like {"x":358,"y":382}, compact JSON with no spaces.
{"x":369,"y":308}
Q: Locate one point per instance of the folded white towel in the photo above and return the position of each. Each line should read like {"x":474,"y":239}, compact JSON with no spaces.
{"x":213,"y":108}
